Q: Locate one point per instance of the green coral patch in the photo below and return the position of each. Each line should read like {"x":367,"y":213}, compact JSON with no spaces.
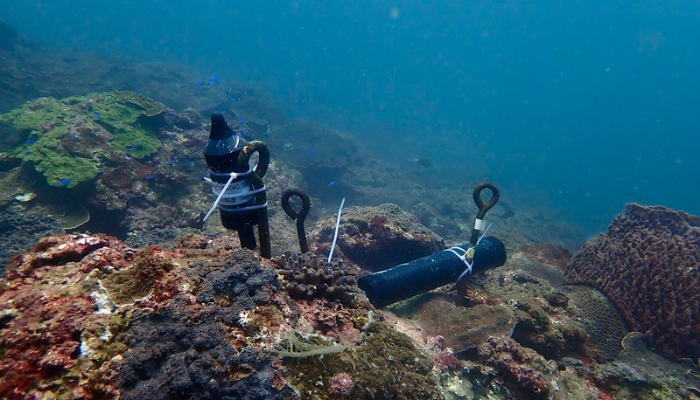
{"x":149,"y":107}
{"x":68,"y":139}
{"x":138,"y":142}
{"x":59,"y":168}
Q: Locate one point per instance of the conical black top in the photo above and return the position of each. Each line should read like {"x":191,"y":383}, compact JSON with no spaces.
{"x":219,"y":128}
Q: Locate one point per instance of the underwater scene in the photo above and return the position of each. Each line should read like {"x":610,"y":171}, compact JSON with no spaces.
{"x":368,"y":199}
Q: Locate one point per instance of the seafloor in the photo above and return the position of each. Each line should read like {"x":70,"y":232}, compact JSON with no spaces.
{"x":113,"y":288}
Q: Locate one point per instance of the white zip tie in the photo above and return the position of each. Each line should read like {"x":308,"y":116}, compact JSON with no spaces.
{"x":221,"y":194}
{"x":337,"y":226}
{"x":463,"y":257}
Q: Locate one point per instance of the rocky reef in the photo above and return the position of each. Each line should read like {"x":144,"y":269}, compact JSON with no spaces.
{"x":174,"y":309}
{"x":90,"y":317}
{"x":71,"y":140}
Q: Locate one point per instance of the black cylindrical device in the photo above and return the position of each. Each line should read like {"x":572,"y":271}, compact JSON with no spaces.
{"x":242,"y":201}
{"x":427,"y":273}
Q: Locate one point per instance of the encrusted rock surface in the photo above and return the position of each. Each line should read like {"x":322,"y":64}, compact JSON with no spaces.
{"x":85,"y":316}
{"x":20,"y":229}
{"x":648,"y":264}
{"x":380,"y":237}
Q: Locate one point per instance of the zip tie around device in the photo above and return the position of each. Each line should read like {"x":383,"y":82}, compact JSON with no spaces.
{"x":463,"y":256}
{"x":232,"y":176}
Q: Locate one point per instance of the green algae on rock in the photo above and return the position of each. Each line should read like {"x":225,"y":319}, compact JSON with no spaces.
{"x":69,"y":140}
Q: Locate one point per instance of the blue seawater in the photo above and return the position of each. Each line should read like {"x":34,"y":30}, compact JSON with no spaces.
{"x":581,"y":106}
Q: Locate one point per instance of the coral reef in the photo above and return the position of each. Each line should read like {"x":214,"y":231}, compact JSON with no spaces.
{"x":308,"y":276}
{"x":87,"y":316}
{"x":90,"y":317}
{"x":386,"y":365}
{"x":67,"y":139}
{"x":522,"y":369}
{"x":602,"y":322}
{"x":647,"y":264}
{"x":379,"y":237}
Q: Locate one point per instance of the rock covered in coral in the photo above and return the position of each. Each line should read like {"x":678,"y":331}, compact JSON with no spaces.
{"x":521,"y":368}
{"x":69,"y":140}
{"x":647,"y":264}
{"x":308,"y":275}
{"x":380,"y":237}
{"x":85,"y":316}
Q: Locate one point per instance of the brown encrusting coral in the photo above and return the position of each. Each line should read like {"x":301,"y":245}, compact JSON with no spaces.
{"x":648,"y":265}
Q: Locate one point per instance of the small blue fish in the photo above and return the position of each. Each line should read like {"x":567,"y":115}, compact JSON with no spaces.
{"x":233,"y":99}
{"x":170,"y":116}
{"x":331,"y":183}
{"x":76,"y":137}
{"x":173,"y":159}
{"x":96,"y":115}
{"x":26,"y":152}
{"x":64,"y":182}
{"x":311,"y":152}
{"x":199,"y":84}
{"x":133,"y":147}
{"x":214,"y":80}
{"x":245,"y":131}
{"x":172,"y":135}
{"x":241,"y":122}
{"x":31,"y":141}
{"x":149,"y":177}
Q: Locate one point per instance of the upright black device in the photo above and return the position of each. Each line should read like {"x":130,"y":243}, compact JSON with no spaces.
{"x":241,"y":195}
